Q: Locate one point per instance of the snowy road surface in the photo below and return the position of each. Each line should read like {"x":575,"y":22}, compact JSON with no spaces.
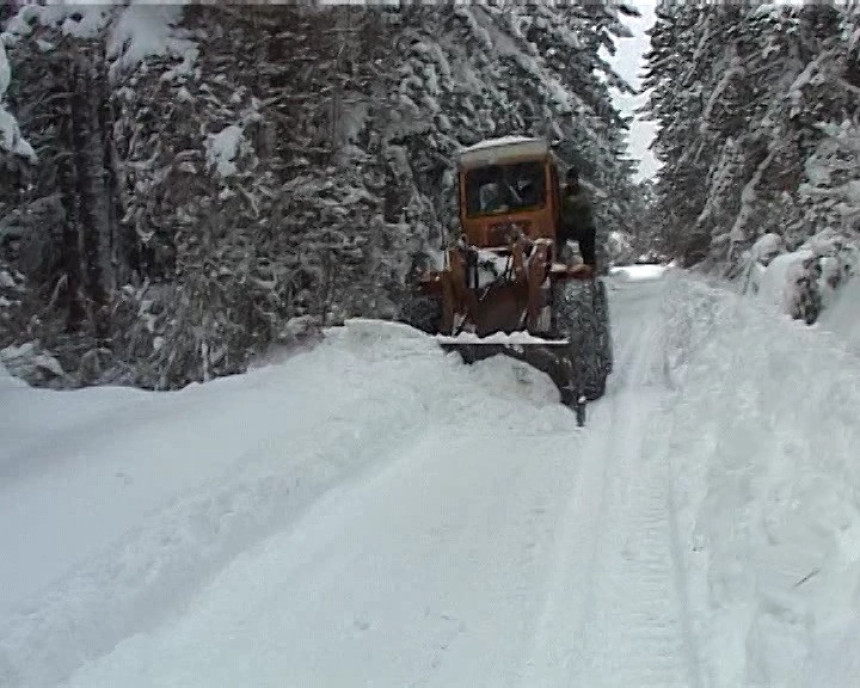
{"x":375,"y":513}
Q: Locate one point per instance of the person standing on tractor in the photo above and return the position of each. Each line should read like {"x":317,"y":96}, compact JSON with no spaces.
{"x":577,"y":223}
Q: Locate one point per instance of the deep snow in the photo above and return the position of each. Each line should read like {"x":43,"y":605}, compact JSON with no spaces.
{"x":373,"y":512}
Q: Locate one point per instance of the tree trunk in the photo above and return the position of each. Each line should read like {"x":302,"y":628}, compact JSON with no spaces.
{"x":66,"y":182}
{"x":91,"y":189}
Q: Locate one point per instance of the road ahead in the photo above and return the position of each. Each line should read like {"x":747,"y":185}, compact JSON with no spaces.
{"x":433,"y":525}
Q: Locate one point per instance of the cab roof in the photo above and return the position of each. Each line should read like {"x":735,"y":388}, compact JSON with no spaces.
{"x":505,"y":149}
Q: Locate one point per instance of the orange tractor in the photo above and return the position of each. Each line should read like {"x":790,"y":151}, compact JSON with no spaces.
{"x":508,"y":287}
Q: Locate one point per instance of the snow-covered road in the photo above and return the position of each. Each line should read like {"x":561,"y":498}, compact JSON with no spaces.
{"x":474,"y":554}
{"x":374,"y":513}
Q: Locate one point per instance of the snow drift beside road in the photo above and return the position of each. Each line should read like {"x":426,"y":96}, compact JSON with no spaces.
{"x":842,"y":318}
{"x":116,"y":505}
{"x":762,"y":436}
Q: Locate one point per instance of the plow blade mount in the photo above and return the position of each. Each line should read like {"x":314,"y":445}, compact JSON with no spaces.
{"x":578,"y":359}
{"x":555,"y":358}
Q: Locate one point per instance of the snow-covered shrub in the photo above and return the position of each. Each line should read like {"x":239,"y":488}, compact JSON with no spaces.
{"x":620,"y":248}
{"x":766,"y":248}
{"x":790,"y":282}
{"x":32,"y":364}
{"x":803,"y":282}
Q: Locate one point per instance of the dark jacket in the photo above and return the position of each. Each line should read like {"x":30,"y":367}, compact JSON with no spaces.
{"x":577,"y":223}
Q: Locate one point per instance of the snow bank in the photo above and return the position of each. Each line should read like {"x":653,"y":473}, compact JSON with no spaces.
{"x":843,"y":316}
{"x":29,"y":362}
{"x":118,"y":505}
{"x":761,"y":436}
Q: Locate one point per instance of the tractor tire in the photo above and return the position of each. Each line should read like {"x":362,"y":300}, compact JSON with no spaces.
{"x":581,"y":314}
{"x":422,"y":312}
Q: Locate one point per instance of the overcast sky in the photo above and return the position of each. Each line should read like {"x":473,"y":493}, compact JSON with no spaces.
{"x":628,"y":61}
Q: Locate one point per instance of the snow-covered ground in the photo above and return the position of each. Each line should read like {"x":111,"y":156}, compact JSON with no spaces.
{"x":373,"y":512}
{"x":842,"y":317}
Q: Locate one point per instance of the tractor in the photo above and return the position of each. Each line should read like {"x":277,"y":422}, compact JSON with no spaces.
{"x":507,"y":286}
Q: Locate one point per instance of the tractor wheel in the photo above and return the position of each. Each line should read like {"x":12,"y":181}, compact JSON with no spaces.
{"x":581,"y":314}
{"x":422,"y":312}
{"x":601,"y":310}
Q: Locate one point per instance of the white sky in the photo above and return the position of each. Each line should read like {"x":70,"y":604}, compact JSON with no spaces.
{"x":628,"y":62}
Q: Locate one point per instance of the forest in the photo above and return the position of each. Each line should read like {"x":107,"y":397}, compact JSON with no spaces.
{"x":186,"y":188}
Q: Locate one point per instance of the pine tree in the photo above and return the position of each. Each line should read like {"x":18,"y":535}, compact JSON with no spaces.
{"x":263,"y":166}
{"x":744,"y":94}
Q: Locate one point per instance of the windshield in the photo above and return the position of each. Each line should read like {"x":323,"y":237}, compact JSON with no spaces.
{"x":504,"y":188}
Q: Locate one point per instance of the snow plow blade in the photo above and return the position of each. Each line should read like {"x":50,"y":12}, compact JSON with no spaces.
{"x":550,"y":356}
{"x":577,"y":363}
{"x":554,"y":359}
{"x":517,"y":339}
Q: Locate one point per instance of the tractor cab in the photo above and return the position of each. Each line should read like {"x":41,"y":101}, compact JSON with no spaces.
{"x":508,"y":184}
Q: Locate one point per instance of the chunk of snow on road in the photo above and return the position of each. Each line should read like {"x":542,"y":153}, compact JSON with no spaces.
{"x":636,"y":273}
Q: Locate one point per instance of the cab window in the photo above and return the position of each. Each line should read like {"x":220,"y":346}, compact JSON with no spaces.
{"x":499,"y":189}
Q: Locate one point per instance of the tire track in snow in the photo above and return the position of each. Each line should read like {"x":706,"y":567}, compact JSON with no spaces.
{"x":634,"y":633}
{"x":615,"y":613}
